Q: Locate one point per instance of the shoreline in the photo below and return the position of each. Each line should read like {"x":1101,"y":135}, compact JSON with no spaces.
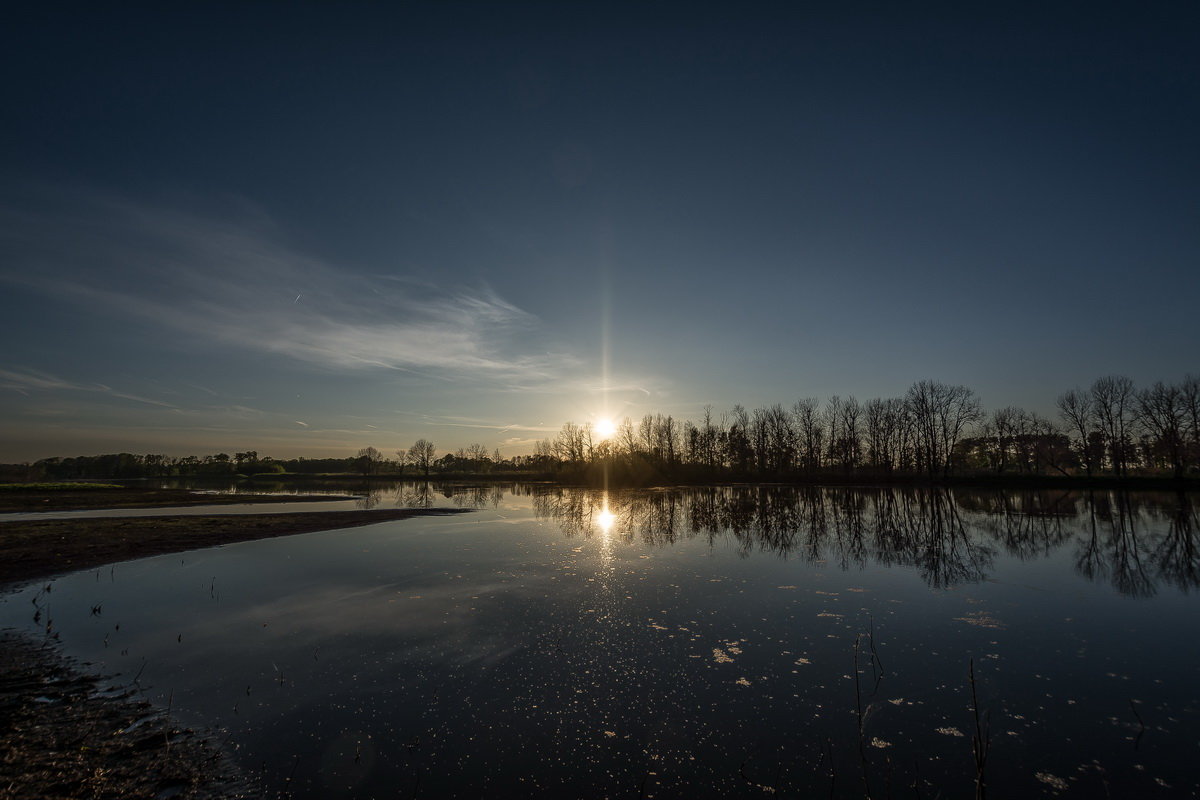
{"x":89,"y":499}
{"x":37,"y":549}
{"x":66,"y":732}
{"x":584,"y":478}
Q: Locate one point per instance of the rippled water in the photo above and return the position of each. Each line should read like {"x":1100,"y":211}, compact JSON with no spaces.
{"x":700,"y":642}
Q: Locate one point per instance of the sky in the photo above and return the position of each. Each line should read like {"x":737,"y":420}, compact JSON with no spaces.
{"x":304,"y":229}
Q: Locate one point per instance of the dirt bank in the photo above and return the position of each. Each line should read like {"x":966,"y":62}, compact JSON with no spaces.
{"x":65,"y":734}
{"x":91,"y":498}
{"x":37,"y":549}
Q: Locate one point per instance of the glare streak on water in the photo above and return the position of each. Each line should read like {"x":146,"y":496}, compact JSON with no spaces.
{"x":663,"y":643}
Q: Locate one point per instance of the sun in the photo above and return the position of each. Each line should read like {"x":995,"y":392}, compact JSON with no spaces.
{"x":605,"y":428}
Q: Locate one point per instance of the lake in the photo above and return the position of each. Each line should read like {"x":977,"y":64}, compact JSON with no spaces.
{"x":699,"y":642}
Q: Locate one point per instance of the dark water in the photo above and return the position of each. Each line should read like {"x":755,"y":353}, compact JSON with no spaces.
{"x":690,"y":643}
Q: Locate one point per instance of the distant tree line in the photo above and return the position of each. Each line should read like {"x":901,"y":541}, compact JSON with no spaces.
{"x":933,"y":431}
{"x":421,"y":459}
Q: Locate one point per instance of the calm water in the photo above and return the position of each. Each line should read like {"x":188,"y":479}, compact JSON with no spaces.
{"x":700,"y":642}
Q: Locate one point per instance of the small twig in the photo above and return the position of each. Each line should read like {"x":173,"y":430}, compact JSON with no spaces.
{"x":139,"y":672}
{"x":874,"y":652}
{"x":1141,"y":725}
{"x":862,"y":750}
{"x":981,"y":740}
{"x":288,"y":783}
{"x":832,"y":770}
{"x":167,"y":731}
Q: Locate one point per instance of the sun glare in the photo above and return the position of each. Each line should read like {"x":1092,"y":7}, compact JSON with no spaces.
{"x":605,"y":520}
{"x":605,"y":428}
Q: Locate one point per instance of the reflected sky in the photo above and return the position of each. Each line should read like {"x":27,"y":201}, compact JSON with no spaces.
{"x":694,"y":642}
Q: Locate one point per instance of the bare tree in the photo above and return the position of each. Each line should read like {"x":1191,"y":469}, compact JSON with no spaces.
{"x":421,"y":454}
{"x":1113,"y":403}
{"x":706,"y":440}
{"x":1162,"y":410}
{"x":1077,"y":409}
{"x":811,"y":432}
{"x":737,"y":440}
{"x":884,"y":421}
{"x":626,"y":437}
{"x":842,"y":420}
{"x":999,"y":431}
{"x":940,"y":416}
{"x":574,"y":442}
{"x":368,"y":460}
{"x":477,"y":454}
{"x":1190,"y":393}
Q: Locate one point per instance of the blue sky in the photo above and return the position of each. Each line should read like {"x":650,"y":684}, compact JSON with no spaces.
{"x":308,"y":228}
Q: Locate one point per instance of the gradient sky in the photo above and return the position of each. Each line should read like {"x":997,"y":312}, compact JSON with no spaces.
{"x":304,"y":229}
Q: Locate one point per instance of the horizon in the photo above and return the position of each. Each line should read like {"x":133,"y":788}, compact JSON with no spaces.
{"x":603,"y":428}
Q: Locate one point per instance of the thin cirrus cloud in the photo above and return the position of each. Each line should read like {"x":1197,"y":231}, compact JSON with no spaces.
{"x":33,"y":381}
{"x":238,"y":285}
{"x":472,"y":422}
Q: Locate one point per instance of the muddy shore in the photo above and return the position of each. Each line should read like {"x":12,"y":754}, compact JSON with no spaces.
{"x":35,"y":549}
{"x":67,"y":734}
{"x":92,"y":498}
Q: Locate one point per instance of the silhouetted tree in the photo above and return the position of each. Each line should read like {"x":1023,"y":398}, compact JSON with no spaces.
{"x":940,"y":415}
{"x":421,"y":454}
{"x":1163,"y":412}
{"x":1190,"y":398}
{"x":368,"y":461}
{"x":811,"y":433}
{"x":1113,"y":406}
{"x":1077,"y":410}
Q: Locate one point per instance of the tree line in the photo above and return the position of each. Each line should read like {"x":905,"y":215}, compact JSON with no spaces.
{"x":934,"y":430}
{"x":421,"y":459}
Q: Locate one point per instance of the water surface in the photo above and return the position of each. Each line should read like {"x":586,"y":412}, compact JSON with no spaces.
{"x":667,"y":643}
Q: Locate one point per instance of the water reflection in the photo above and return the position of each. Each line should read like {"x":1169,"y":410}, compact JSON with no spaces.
{"x":1135,"y":542}
{"x":1131,"y":542}
{"x":698,"y":642}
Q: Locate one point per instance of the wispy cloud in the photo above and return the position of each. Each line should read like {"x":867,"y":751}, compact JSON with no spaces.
{"x":473,"y":422}
{"x":237,"y":284}
{"x":30,"y":380}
